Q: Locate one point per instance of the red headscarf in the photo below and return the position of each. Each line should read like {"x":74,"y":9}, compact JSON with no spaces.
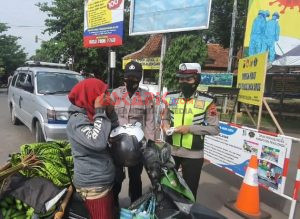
{"x":85,"y":93}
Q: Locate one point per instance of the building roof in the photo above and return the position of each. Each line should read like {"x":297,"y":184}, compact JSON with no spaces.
{"x":217,"y":55}
{"x":150,"y":49}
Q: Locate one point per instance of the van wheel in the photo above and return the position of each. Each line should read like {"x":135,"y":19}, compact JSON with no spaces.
{"x":39,"y":136}
{"x":14,"y":120}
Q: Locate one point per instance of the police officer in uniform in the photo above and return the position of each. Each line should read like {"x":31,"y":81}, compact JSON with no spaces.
{"x":133,"y":104}
{"x":193,"y":115}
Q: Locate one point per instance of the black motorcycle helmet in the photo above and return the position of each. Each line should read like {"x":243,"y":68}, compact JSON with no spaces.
{"x":126,"y":142}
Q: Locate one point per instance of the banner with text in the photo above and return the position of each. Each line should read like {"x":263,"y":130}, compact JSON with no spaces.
{"x":149,"y":63}
{"x":103,"y":23}
{"x":233,"y":147}
{"x":215,"y":80}
{"x":251,"y":79}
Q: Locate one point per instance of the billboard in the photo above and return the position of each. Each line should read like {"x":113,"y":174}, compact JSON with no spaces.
{"x":103,"y":23}
{"x":273,"y":26}
{"x":251,"y":79}
{"x":233,"y":147}
{"x":215,"y":80}
{"x":156,"y":16}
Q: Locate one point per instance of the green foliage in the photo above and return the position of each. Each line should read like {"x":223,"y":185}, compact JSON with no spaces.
{"x":186,"y":48}
{"x":12,"y":55}
{"x":65,"y":23}
{"x":220,"y":23}
{"x":52,"y":166}
{"x":51,"y":51}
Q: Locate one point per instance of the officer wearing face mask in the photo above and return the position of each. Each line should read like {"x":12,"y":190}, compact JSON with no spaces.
{"x":193,"y":115}
{"x":133,"y":104}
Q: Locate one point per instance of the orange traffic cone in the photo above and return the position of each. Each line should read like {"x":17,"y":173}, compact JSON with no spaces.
{"x":247,"y":204}
{"x":248,"y":197}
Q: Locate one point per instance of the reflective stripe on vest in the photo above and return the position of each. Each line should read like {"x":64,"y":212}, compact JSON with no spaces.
{"x":186,"y":112}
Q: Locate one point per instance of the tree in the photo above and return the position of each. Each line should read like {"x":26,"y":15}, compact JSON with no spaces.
{"x":12,"y":55}
{"x":219,"y":32}
{"x":65,"y":23}
{"x":51,"y":51}
{"x":185,"y":48}
{"x":220,"y":23}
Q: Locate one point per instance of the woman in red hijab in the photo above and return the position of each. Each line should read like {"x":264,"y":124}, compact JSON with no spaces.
{"x":88,"y":130}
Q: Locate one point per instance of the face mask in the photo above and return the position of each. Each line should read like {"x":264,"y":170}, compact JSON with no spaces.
{"x":187,"y":89}
{"x":131,"y":85}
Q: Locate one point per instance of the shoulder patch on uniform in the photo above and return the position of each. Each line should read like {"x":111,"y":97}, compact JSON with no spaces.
{"x":209,"y":95}
{"x":199,"y":104}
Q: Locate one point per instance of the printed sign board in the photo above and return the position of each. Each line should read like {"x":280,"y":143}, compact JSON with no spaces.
{"x":233,"y":147}
{"x":273,"y":26}
{"x":103,"y":23}
{"x":215,"y":80}
{"x":149,"y":63}
{"x":156,"y":16}
{"x":251,"y":79}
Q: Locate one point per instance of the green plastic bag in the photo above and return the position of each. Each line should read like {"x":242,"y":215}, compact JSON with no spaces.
{"x":175,"y":182}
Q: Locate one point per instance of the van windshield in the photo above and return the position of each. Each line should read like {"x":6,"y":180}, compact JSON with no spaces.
{"x":56,"y":82}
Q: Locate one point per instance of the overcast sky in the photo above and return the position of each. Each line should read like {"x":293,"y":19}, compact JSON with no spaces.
{"x":18,"y":13}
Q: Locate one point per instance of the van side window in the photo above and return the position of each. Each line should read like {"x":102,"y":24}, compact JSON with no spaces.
{"x":14,"y":80}
{"x":29,"y":79}
{"x":21,"y":79}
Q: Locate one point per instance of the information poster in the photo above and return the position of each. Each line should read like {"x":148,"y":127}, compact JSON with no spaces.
{"x":233,"y":147}
{"x":251,"y":79}
{"x":273,"y":26}
{"x":103,"y":23}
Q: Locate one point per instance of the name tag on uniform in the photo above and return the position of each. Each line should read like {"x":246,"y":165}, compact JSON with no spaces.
{"x":199,"y":104}
{"x":173,"y":102}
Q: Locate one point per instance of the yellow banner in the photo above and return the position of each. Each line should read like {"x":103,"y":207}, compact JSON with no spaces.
{"x":98,"y":13}
{"x":151,"y":63}
{"x":273,"y":26}
{"x":251,"y":79}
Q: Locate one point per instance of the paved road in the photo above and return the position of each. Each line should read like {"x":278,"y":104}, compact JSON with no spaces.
{"x":11,"y":137}
{"x":216,"y":185}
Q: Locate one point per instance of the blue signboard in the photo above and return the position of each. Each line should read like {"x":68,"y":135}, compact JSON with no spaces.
{"x":217,"y":79}
{"x":157,"y":16}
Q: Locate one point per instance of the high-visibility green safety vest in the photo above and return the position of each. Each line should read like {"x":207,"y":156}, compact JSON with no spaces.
{"x":188,"y":112}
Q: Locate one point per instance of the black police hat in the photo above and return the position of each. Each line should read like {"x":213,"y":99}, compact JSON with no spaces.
{"x":133,"y":68}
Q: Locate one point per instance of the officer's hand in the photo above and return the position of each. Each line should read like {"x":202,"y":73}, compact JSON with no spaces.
{"x":165,"y":127}
{"x":182,"y":129}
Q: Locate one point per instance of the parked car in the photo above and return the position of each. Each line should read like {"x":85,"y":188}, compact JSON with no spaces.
{"x":37,"y":96}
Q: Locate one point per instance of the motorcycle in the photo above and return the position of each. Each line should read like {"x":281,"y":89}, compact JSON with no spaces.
{"x":173,"y":198}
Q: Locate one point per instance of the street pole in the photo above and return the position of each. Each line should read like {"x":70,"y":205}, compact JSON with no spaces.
{"x":108,"y":68}
{"x":162,"y":55}
{"x":112,"y":65}
{"x":230,"y":54}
